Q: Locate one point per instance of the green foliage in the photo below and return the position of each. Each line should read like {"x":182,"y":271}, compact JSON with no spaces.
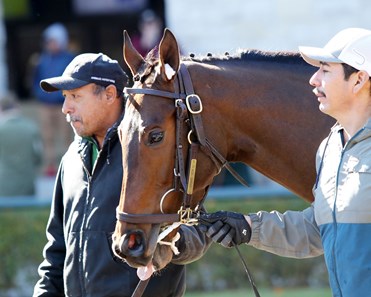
{"x":222,"y":269}
{"x":277,"y":292}
{"x":15,"y":9}
{"x":22,"y":240}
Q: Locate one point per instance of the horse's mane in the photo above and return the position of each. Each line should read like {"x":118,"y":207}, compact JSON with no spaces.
{"x":244,"y":55}
{"x":250,"y":55}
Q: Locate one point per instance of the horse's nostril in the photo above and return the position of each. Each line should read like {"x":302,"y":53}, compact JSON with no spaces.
{"x":135,"y":241}
{"x":131,"y":244}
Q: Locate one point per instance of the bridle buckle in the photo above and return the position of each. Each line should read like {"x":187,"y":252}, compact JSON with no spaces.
{"x":194,"y":104}
{"x":185,"y":215}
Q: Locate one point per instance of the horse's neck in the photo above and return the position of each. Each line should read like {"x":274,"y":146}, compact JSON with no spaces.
{"x":256,"y":102}
{"x":264,"y":115}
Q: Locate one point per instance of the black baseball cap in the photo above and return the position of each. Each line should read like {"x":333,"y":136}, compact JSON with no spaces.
{"x":85,"y":69}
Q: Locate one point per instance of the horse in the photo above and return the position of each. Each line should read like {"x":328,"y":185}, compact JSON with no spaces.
{"x":187,"y":117}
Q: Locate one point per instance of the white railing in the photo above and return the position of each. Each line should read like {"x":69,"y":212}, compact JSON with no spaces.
{"x":216,"y":192}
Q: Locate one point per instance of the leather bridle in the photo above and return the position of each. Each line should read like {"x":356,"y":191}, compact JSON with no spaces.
{"x":188,"y":115}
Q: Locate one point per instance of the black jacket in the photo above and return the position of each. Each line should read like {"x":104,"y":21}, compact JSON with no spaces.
{"x":78,"y":260}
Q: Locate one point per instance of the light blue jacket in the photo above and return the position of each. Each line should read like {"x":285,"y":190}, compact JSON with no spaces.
{"x":50,"y":65}
{"x":338,"y":223}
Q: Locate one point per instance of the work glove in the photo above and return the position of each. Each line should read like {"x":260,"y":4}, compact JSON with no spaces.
{"x":225,"y":227}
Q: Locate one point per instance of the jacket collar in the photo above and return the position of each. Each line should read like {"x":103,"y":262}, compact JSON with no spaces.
{"x":363,"y":133}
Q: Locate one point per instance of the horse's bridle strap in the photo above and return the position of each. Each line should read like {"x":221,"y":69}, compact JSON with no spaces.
{"x":186,"y":101}
{"x":147,"y":218}
{"x":153,"y":92}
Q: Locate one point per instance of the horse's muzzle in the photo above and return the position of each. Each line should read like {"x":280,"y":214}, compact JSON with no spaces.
{"x":132,"y":244}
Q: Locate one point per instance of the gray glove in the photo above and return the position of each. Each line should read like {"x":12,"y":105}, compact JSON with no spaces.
{"x":225,"y":227}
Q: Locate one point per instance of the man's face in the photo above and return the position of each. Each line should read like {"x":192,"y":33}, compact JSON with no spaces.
{"x":52,"y":46}
{"x":86,"y":111}
{"x":332,"y":90}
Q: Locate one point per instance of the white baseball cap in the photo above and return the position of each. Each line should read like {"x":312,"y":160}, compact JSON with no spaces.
{"x":350,"y":46}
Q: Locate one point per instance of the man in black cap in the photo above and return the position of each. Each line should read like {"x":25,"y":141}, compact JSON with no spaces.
{"x":78,"y":260}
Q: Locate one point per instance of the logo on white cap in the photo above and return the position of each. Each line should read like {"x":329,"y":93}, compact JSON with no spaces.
{"x":361,"y":60}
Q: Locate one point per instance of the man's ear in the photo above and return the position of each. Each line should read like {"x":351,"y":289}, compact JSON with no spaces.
{"x":111,"y":93}
{"x":362,"y":78}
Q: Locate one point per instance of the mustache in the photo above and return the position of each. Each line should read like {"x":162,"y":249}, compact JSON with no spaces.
{"x":319,"y":93}
{"x":71,"y":118}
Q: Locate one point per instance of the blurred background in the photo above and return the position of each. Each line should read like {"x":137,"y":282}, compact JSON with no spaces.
{"x":200,"y":26}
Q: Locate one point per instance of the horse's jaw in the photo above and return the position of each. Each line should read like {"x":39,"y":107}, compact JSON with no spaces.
{"x":162,"y":257}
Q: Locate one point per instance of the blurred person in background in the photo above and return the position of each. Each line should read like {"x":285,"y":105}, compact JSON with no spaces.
{"x":52,"y":61}
{"x":150,"y":32}
{"x":20,"y":150}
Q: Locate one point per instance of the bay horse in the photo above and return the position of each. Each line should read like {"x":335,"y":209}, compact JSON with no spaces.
{"x":254,"y":107}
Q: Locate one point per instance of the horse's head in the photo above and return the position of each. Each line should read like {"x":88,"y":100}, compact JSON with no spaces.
{"x":158,"y":170}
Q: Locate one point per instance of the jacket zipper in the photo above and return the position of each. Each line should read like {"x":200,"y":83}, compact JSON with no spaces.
{"x":82,"y":241}
{"x":334,"y":211}
{"x":335,"y":225}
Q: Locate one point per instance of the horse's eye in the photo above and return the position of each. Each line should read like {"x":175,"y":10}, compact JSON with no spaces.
{"x":155,"y":137}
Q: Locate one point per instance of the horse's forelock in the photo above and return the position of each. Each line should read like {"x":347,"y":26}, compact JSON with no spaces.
{"x":152,"y":56}
{"x":146,"y":68}
{"x":150,"y":62}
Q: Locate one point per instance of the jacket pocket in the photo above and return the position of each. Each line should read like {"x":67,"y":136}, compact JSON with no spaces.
{"x":354,"y":193}
{"x":105,"y":275}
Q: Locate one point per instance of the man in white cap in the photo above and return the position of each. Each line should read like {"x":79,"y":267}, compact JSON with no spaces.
{"x":338,"y":223}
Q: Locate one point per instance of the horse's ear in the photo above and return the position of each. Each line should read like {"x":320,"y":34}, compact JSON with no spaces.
{"x":169,"y":55}
{"x":131,"y":56}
